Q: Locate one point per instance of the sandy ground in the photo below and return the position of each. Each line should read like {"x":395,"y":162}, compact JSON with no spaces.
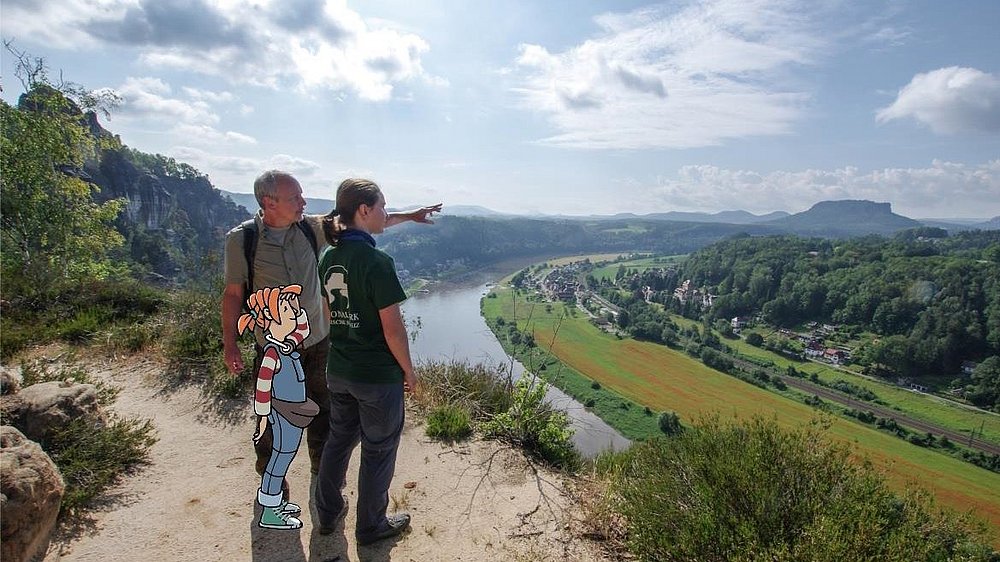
{"x":195,"y":500}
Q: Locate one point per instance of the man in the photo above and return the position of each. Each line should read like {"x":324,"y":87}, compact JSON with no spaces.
{"x":284,"y":256}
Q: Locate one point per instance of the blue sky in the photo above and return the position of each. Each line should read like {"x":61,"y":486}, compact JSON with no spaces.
{"x":557,"y":106}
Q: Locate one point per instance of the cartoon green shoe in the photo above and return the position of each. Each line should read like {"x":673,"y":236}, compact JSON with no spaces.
{"x":274,"y":518}
{"x":289,"y":508}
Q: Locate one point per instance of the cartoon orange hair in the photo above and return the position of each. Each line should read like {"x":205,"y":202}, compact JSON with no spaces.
{"x":263,"y":305}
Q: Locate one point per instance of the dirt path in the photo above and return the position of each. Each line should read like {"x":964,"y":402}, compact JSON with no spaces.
{"x":195,"y":501}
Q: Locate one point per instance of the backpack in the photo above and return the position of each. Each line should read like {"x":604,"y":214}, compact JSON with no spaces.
{"x":250,"y":248}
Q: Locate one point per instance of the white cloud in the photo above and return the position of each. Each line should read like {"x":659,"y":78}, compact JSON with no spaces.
{"x":943,"y":189}
{"x":293,"y":164}
{"x":662,"y":77}
{"x":209,"y":96}
{"x":949,"y":100}
{"x":210,"y":136}
{"x":311,"y":44}
{"x":149,"y":97}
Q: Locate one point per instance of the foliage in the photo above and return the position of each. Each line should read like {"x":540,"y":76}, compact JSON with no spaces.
{"x":934,"y":300}
{"x":478,"y":389}
{"x":533,"y":424}
{"x":50,"y":227}
{"x":750,"y":490}
{"x":75,"y":312}
{"x":670,"y":423}
{"x":90,"y":458}
{"x":449,"y":423}
{"x":985,"y":388}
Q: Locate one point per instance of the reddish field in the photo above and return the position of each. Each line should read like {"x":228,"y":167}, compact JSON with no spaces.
{"x":664,"y":379}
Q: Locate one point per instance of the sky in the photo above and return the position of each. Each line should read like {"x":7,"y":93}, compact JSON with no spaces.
{"x":551,"y":106}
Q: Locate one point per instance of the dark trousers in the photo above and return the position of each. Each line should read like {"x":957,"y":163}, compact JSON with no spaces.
{"x":372,"y":414}
{"x":313,"y":360}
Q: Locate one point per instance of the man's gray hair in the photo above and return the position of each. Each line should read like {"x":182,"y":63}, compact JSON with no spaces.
{"x":266,"y":184}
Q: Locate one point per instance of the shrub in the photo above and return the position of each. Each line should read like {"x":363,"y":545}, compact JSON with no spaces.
{"x":449,"y":423}
{"x":670,"y":423}
{"x":90,"y":458}
{"x":480,"y":390}
{"x":531,"y":423}
{"x":74,"y":312}
{"x":134,"y":337}
{"x":750,"y":490}
{"x":595,"y":385}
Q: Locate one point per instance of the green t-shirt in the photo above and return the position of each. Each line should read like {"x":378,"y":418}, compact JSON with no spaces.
{"x":358,"y":281}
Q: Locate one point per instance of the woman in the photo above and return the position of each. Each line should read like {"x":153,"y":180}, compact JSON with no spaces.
{"x":369,"y":365}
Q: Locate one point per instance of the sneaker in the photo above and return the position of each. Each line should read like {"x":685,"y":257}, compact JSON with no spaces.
{"x":289,"y":508}
{"x":391,"y":527}
{"x":328,"y":528}
{"x":274,"y":518}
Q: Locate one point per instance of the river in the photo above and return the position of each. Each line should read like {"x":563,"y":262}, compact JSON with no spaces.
{"x":452,"y":328}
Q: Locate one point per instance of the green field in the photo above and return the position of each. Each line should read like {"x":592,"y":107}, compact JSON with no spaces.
{"x":663,"y":379}
{"x":642,"y":264}
{"x":920,"y":406}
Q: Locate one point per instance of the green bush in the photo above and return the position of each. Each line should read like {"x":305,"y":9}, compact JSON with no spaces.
{"x":75,"y":313}
{"x":195,"y":327}
{"x":449,"y":423}
{"x":532,"y":423}
{"x":135,"y":337}
{"x":82,"y":327}
{"x":751,"y":490}
{"x":91,"y":458}
{"x":480,"y":390}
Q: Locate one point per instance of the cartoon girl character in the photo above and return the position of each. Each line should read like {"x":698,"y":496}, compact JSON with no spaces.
{"x":280,"y":396}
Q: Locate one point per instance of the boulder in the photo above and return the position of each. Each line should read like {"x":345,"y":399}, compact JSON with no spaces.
{"x":31,"y":490}
{"x":10,"y":380}
{"x":49,"y":405}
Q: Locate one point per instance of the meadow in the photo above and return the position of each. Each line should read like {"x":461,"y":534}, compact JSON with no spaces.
{"x":663,"y":379}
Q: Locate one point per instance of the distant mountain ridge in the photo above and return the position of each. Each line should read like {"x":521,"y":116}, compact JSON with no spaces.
{"x":843,"y":218}
{"x":846,"y":218}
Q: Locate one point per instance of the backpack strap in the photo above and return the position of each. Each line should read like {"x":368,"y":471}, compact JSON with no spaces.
{"x":250,"y":236}
{"x":249,"y":251}
{"x":310,"y":235}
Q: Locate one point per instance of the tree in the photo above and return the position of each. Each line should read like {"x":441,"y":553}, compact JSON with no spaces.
{"x":52,"y":230}
{"x":985,"y":390}
{"x":670,"y":423}
{"x":755,"y":339}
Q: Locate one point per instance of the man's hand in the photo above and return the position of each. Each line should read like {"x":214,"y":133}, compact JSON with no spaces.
{"x":410,"y":383}
{"x":234,"y":359}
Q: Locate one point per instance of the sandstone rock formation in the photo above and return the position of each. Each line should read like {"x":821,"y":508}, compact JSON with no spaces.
{"x":31,"y":490}
{"x":49,"y":405}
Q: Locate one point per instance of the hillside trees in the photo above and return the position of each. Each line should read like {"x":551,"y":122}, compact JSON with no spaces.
{"x":935,"y":300}
{"x":52,"y":230}
{"x":985,"y":390}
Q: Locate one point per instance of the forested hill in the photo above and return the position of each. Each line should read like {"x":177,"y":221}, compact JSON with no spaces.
{"x":936,"y":297}
{"x":456,"y":243}
{"x":173,"y":219}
